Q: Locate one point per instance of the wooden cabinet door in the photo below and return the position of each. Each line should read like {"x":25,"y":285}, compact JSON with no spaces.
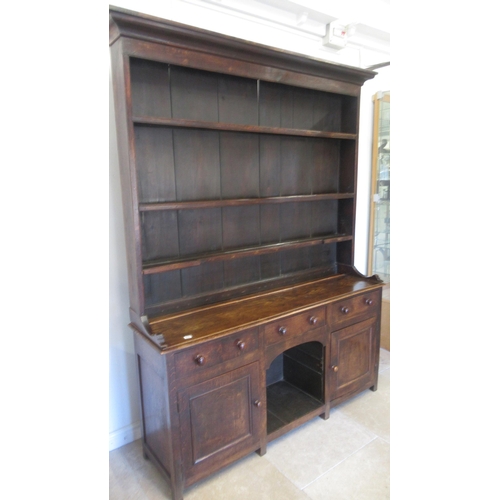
{"x":221,"y":420}
{"x":354,"y":355}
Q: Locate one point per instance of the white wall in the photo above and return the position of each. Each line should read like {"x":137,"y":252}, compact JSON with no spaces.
{"x":124,"y":408}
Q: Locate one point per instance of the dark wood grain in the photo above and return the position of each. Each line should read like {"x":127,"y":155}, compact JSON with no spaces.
{"x":241,"y":271}
{"x":197,"y":164}
{"x":234,"y":423}
{"x":237,"y":99}
{"x":200,"y":231}
{"x":295,"y":221}
{"x":238,"y":165}
{"x":295,"y":165}
{"x":194,"y":94}
{"x":324,"y":216}
{"x":202,"y":124}
{"x":150,"y":82}
{"x":155,"y":164}
{"x":354,"y":355}
{"x":197,"y":259}
{"x":215,"y":319}
{"x":160,"y":238}
{"x":182,"y":205}
{"x":325,"y":166}
{"x":204,"y":278}
{"x":161,"y":287}
{"x":240,"y":227}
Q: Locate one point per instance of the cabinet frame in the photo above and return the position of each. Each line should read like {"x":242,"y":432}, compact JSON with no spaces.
{"x":200,"y":286}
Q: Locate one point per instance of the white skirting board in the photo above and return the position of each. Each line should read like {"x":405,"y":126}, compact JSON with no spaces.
{"x":124,"y":435}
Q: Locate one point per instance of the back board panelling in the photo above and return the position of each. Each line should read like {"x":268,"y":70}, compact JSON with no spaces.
{"x":269,"y":223}
{"x":155,"y":164}
{"x":162,"y":287}
{"x":159,"y":235}
{"x":295,"y":163}
{"x":324,"y":217}
{"x":194,"y":94}
{"x":237,"y":100}
{"x":270,"y":266}
{"x":150,"y":88}
{"x":295,"y":260}
{"x":327,"y":112}
{"x":200,"y":231}
{"x":349,"y":114}
{"x":197,"y":164}
{"x":295,"y":221}
{"x":345,"y":252}
{"x":239,"y":156}
{"x":323,"y":255}
{"x":270,"y":104}
{"x":241,"y":271}
{"x":299,"y":108}
{"x":270,"y":165}
{"x":303,"y":112}
{"x":346,"y":216}
{"x":347,"y":166}
{"x":207,"y":277}
{"x":240,"y":226}
{"x":324,"y":166}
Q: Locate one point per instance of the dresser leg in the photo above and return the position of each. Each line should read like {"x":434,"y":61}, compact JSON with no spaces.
{"x":177,"y":482}
{"x":263,"y":448}
{"x":326,"y":415}
{"x":177,"y":493}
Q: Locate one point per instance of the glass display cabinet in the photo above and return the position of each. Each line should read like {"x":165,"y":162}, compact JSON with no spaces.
{"x":380,"y":214}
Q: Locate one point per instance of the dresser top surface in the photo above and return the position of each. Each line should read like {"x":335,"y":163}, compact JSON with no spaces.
{"x":204,"y":323}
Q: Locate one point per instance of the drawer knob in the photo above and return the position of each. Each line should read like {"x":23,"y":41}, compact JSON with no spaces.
{"x":345,"y":309}
{"x":368,"y":302}
{"x":240,"y":345}
{"x":282,"y":330}
{"x":335,"y":368}
{"x":257,"y":403}
{"x":199,"y":359}
{"x":313,"y":320}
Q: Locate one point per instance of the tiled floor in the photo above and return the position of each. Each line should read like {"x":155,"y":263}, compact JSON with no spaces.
{"x":343,"y":458}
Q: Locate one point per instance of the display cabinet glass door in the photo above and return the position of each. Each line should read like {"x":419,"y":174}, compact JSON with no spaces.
{"x":380,"y":233}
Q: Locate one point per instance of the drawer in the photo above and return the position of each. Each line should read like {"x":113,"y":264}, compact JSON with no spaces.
{"x":290,"y":326}
{"x":349,"y":311}
{"x":208,"y":354}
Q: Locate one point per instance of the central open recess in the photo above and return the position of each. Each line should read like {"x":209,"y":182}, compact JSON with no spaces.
{"x":295,"y":385}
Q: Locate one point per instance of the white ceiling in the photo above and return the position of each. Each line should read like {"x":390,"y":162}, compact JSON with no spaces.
{"x":303,"y":24}
{"x":293,"y":25}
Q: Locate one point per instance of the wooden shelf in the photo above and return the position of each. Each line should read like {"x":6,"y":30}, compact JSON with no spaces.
{"x":231,"y":127}
{"x":186,"y":205}
{"x":164,"y":265}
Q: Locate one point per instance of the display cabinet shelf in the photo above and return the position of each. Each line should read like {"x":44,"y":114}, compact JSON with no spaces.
{"x":186,"y":205}
{"x":160,"y":266}
{"x":231,"y":127}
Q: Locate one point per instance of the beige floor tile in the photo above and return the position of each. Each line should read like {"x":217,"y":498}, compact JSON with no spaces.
{"x":122,"y":484}
{"x":316,"y":447}
{"x":365,"y":475}
{"x":134,"y":478}
{"x":252,"y":478}
{"x":371,"y":409}
{"x":385,"y":360}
